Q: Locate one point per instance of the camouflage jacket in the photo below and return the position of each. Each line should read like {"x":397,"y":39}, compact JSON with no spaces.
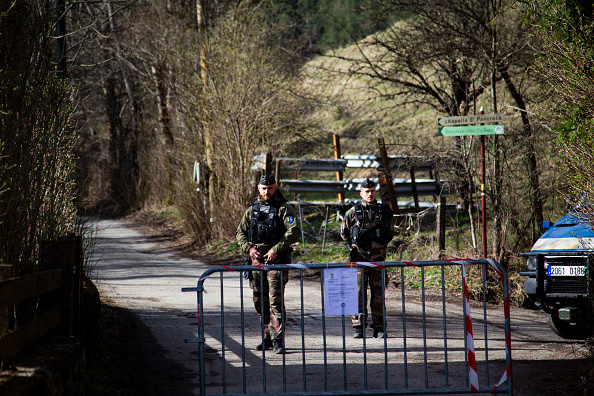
{"x":289,"y":218}
{"x":372,"y":247}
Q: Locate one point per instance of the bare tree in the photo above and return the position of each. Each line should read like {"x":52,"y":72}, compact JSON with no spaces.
{"x":132,"y":113}
{"x":108,"y":103}
{"x":247,"y":104}
{"x":449,"y":55}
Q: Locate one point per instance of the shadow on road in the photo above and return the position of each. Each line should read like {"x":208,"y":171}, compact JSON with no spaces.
{"x":131,"y":362}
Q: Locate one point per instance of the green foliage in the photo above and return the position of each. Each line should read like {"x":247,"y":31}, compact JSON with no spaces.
{"x":566,"y":33}
{"x":343,"y":22}
{"x":576,"y":126}
{"x":312,"y":253}
{"x":170,"y":213}
{"x":325,"y":23}
{"x":568,"y":17}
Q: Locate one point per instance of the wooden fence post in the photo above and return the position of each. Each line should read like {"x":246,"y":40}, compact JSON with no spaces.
{"x":77,"y":287}
{"x":437,"y":182}
{"x":414,"y":188}
{"x":277,"y":166}
{"x":268,"y":165}
{"x":388,"y":174}
{"x":68,"y":255}
{"x":5,"y":311}
{"x":441,"y":225}
{"x":337,"y":154}
{"x":66,"y":259}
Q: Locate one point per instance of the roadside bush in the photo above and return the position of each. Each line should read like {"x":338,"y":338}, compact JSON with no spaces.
{"x":37,"y":199}
{"x":245,"y":108}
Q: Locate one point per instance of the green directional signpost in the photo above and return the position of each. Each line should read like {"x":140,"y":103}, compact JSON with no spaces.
{"x":470,"y":130}
{"x":474,"y":125}
{"x":471,"y":120}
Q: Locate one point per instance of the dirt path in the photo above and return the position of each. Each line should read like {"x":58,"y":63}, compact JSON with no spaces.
{"x":148,"y":318}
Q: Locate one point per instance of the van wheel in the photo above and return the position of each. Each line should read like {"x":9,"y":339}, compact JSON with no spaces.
{"x":566,"y":329}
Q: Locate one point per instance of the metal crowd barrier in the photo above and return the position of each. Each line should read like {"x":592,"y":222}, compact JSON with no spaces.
{"x":430,"y":349}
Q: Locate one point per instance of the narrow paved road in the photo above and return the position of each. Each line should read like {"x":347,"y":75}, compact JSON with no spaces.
{"x":132,"y":272}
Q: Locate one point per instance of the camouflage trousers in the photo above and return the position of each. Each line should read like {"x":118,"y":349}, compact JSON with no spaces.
{"x":371,"y":277}
{"x":269,"y":293}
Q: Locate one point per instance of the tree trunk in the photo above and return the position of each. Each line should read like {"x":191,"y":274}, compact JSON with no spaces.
{"x":460,"y":86}
{"x":201,"y":19}
{"x":132,"y":157}
{"x":533,"y":173}
{"x":164,"y":118}
{"x":115,"y":140}
{"x":165,"y":122}
{"x":497,"y":184}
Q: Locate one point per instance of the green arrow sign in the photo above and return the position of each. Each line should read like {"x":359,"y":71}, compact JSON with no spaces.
{"x":470,"y":130}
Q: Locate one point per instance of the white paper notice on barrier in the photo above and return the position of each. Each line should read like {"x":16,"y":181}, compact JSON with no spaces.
{"x":340,"y":291}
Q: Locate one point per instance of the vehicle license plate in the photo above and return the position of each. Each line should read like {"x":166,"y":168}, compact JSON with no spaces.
{"x":566,"y":270}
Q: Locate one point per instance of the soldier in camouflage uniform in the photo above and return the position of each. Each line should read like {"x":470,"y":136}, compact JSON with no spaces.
{"x":367,"y":228}
{"x":266,"y":232}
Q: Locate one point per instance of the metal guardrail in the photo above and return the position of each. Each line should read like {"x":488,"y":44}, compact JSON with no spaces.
{"x":397,"y":162}
{"x":362,"y":161}
{"x":323,"y":186}
{"x":309,"y":164}
{"x":431,"y":348}
{"x":403,"y":187}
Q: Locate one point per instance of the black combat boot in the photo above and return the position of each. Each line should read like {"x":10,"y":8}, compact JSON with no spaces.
{"x":379,"y":333}
{"x":278,"y":347}
{"x":267,"y":344}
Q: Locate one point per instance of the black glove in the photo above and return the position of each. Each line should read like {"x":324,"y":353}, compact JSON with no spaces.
{"x":353,"y":253}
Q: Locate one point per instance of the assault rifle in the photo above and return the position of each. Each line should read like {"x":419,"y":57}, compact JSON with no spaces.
{"x":248,"y":274}
{"x":353,"y":250}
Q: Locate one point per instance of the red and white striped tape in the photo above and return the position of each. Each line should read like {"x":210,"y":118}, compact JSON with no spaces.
{"x":472,"y":371}
{"x":508,"y":370}
{"x":368,"y":264}
{"x":376,"y":265}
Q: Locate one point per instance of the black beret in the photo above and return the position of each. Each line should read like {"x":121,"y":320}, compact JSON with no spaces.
{"x":368,"y":183}
{"x":267,"y":180}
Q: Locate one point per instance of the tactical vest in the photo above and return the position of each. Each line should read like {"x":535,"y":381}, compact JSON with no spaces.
{"x":266,"y":226}
{"x":376,"y":228}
